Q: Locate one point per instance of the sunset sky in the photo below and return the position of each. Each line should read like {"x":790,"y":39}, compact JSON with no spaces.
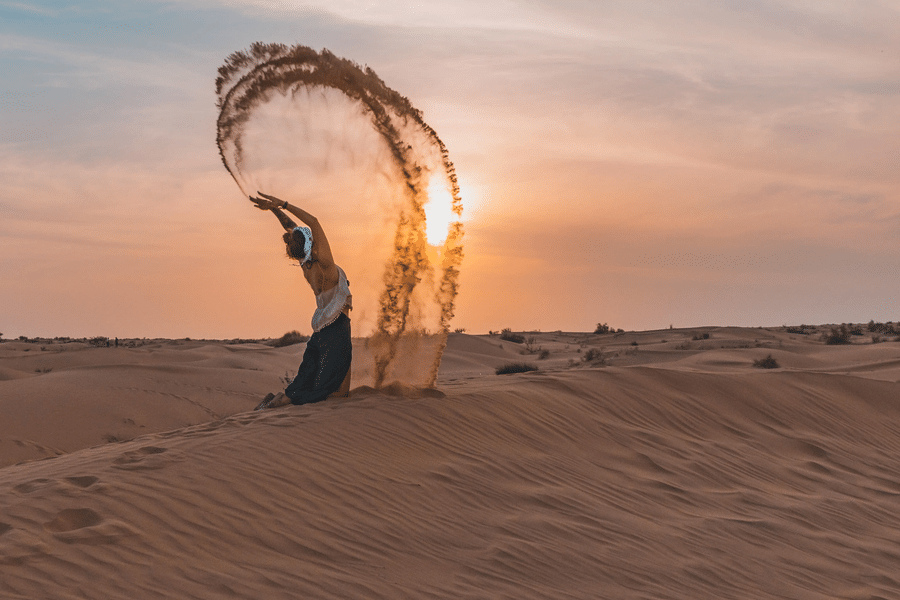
{"x":641,"y":163}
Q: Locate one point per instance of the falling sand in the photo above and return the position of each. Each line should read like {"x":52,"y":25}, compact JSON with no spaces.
{"x":416,"y":303}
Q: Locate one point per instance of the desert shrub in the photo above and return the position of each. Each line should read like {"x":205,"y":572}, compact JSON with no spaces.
{"x":459,"y":330}
{"x":515,"y":368}
{"x":700,"y":336}
{"x":837,"y":335}
{"x":289,"y":339}
{"x":98,"y":341}
{"x":509,"y":336}
{"x":766,"y":363}
{"x":602,"y":328}
{"x":544,"y":354}
{"x":886,"y":328}
{"x":530,"y":346}
{"x":801,"y":330}
{"x":594,"y":356}
{"x":634,"y":343}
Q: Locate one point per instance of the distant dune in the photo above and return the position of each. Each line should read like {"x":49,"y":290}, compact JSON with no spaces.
{"x":657,"y":464}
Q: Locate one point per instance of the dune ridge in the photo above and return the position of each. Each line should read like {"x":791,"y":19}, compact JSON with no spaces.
{"x":661,"y":480}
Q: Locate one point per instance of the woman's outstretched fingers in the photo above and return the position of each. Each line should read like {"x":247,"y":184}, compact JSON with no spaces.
{"x":261,"y":204}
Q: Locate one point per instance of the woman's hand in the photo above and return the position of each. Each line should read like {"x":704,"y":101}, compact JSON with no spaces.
{"x":266,"y":202}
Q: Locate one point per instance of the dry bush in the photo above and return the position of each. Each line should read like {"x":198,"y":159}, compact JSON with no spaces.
{"x":594,"y":356}
{"x":887,"y":328}
{"x":838,"y":335}
{"x":531,"y":347}
{"x":509,"y":336}
{"x":604,"y":328}
{"x":515,"y":368}
{"x":801,"y":330}
{"x":766,"y":363}
{"x":289,"y":339}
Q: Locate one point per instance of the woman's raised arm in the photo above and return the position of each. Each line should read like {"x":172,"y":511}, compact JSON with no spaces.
{"x":321,"y":248}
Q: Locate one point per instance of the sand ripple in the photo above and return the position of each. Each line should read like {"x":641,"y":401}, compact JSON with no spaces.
{"x":637,"y":482}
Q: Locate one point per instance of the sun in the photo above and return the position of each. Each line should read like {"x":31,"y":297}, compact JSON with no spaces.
{"x":439,"y":214}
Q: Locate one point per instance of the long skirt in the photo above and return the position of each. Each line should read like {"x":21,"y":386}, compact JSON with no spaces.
{"x":325,"y":364}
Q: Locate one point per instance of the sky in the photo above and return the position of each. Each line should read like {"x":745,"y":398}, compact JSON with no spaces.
{"x":644,"y":164}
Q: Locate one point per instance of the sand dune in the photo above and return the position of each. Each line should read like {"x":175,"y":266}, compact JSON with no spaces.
{"x":677,"y":470}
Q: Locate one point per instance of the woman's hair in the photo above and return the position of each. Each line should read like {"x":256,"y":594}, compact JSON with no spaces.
{"x":295,"y":240}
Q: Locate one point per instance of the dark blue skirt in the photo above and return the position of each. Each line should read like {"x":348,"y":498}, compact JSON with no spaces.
{"x":325,"y":364}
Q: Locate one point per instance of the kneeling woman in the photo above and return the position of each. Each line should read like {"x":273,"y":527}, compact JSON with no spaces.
{"x":325,"y":369}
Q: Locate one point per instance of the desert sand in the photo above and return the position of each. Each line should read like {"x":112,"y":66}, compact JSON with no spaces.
{"x":666,"y":466}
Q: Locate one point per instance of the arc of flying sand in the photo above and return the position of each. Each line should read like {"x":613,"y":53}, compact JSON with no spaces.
{"x":268,"y":68}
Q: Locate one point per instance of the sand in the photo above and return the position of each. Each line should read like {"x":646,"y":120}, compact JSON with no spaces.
{"x":666,"y":467}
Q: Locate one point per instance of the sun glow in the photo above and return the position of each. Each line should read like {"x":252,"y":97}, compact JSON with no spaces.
{"x":439,"y":215}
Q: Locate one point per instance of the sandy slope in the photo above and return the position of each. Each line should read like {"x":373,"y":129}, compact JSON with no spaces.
{"x":677,"y":471}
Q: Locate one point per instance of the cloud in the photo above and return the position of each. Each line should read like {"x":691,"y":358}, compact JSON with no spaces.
{"x":458,"y":14}
{"x":92,"y":70}
{"x":30,"y":8}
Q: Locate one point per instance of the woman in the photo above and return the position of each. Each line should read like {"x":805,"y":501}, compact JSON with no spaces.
{"x":325,"y":369}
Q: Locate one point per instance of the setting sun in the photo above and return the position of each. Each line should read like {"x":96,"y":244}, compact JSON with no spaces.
{"x":438,"y":213}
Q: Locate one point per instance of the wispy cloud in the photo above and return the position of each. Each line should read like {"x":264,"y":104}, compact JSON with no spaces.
{"x":29,"y":8}
{"x":94,"y":69}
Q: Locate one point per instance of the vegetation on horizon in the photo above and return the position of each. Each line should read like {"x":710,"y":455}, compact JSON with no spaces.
{"x":509,"y":336}
{"x":886,"y":328}
{"x":604,"y":328}
{"x":289,"y":339}
{"x":837,"y":335}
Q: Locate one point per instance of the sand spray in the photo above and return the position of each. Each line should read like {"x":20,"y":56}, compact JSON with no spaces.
{"x":416,"y":302}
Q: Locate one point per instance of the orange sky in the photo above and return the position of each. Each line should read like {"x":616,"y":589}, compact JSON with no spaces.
{"x":641,"y":163}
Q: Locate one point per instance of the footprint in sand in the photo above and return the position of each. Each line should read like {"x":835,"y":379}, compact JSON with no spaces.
{"x":83,"y":482}
{"x":85,"y":526}
{"x":146,"y":458}
{"x":16,"y":546}
{"x":33,"y":485}
{"x":48,"y":484}
{"x":71,"y":519}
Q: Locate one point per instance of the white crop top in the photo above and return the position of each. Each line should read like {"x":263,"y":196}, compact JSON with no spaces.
{"x":331,"y":303}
